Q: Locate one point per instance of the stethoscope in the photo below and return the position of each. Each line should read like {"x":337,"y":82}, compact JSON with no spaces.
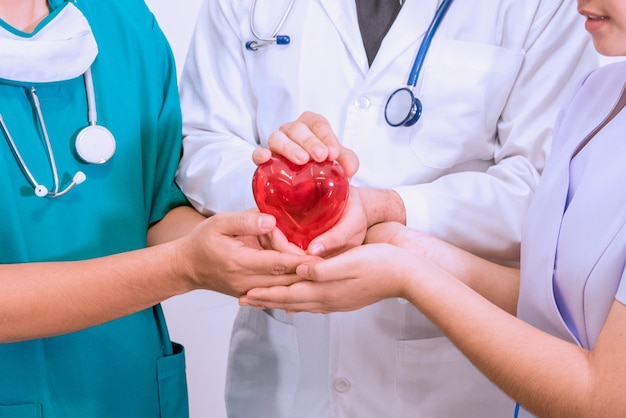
{"x":94,"y":145}
{"x":274,"y":38}
{"x":403,"y":108}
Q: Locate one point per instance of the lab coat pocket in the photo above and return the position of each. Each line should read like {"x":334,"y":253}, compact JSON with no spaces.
{"x":464,"y":90}
{"x":173,"y":384}
{"x":434,"y":379}
{"x":263,"y":368}
{"x":21,"y":411}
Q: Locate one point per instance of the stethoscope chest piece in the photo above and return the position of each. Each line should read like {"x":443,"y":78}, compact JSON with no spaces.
{"x":95,"y":144}
{"x":403,"y":108}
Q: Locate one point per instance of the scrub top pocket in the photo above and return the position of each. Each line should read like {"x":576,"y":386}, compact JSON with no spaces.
{"x":172,"y":384}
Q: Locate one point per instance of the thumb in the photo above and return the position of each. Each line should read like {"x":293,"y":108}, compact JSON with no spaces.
{"x":245,"y":223}
{"x":348,"y":161}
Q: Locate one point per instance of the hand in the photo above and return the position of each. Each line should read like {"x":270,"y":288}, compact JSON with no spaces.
{"x":394,"y":233}
{"x":223,"y":253}
{"x":309,"y":136}
{"x":352,"y":280}
{"x":349,"y":231}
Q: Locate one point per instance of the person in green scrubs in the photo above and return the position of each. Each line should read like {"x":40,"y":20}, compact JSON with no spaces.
{"x":91,"y":246}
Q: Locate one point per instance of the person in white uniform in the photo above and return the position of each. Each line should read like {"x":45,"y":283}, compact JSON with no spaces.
{"x":491,"y":85}
{"x":571,"y":286}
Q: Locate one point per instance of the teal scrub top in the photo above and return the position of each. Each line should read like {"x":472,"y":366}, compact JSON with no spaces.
{"x":127,"y":367}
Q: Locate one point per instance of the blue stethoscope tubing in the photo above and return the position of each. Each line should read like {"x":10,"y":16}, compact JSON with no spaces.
{"x":413,"y":105}
{"x":275,"y":38}
{"x":402,"y":107}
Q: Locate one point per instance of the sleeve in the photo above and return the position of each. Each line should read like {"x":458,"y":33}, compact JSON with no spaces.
{"x":164,"y":193}
{"x":217,"y":144}
{"x":483,"y":212}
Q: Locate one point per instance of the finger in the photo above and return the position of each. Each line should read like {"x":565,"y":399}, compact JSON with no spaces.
{"x":261,"y":155}
{"x":244,"y":223}
{"x":289,"y":143}
{"x":322,"y":131}
{"x":289,"y":308}
{"x":286,"y":297}
{"x":348,"y":161}
{"x":330,"y":269}
{"x":300,"y":297}
{"x":347,"y":233}
{"x":279,"y":242}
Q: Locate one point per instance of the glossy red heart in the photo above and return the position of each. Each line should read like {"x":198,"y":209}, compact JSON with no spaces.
{"x":306,"y":200}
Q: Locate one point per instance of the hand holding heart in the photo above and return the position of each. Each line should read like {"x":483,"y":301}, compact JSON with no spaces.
{"x":311,"y":138}
{"x":306,"y":200}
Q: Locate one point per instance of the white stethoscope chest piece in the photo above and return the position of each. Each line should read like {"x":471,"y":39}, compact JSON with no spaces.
{"x":95,"y":144}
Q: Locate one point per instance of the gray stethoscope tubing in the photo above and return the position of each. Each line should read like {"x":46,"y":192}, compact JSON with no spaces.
{"x":275,"y":38}
{"x":403,"y":108}
{"x":94,"y":144}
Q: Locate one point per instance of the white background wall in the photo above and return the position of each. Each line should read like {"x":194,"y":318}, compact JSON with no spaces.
{"x":200,"y":320}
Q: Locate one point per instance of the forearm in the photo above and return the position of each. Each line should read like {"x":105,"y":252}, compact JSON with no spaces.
{"x":497,"y":283}
{"x":45,"y":299}
{"x":508,"y":351}
{"x":176,"y":224}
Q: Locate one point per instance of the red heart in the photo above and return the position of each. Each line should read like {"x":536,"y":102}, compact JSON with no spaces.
{"x":306,"y":200}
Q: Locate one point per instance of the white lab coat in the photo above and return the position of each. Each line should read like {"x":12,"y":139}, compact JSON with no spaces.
{"x":491,"y":87}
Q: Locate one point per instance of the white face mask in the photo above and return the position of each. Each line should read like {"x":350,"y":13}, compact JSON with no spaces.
{"x":61,"y":50}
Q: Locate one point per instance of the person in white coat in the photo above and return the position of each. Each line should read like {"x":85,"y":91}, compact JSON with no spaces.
{"x":571,"y":287}
{"x":491,"y":85}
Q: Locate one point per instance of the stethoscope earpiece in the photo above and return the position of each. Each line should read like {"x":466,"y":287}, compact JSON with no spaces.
{"x":252,"y":46}
{"x":41,"y":190}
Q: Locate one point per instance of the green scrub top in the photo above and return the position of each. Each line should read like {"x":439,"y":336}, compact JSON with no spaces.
{"x":127,"y":367}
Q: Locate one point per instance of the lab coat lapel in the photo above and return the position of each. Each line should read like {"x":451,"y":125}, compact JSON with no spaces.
{"x":549,"y":201}
{"x":406,"y":32}
{"x":543,"y":224}
{"x":343,"y":15}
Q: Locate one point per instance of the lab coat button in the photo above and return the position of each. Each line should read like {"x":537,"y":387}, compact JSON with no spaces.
{"x":342,"y":385}
{"x":362,"y":103}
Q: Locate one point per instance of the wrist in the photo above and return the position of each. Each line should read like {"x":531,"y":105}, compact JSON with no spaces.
{"x":180,"y":272}
{"x":382,"y":205}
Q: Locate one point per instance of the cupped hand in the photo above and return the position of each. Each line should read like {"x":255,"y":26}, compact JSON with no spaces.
{"x":224,"y":254}
{"x":349,"y":281}
{"x":347,"y":233}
